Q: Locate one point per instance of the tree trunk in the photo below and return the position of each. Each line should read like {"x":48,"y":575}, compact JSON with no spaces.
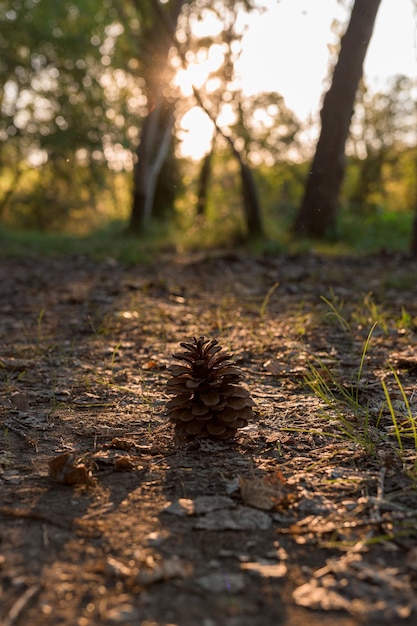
{"x":203,"y":183}
{"x":251,"y":204}
{"x":151,"y":153}
{"x":318,"y":211}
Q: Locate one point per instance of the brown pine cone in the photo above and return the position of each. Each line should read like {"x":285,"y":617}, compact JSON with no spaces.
{"x":208,"y":399}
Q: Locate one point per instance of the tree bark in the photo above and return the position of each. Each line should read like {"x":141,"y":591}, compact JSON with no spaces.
{"x":317,"y":214}
{"x":251,"y":206}
{"x":151,"y":153}
{"x":203,"y":184}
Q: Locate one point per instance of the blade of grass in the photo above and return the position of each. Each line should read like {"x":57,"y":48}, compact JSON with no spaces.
{"x":413,"y":427}
{"x":343,"y":323}
{"x":362,"y":361}
{"x":393,"y":417}
{"x":266,"y":300}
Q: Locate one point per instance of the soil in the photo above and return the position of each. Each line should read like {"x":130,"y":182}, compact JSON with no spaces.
{"x":308,"y":516}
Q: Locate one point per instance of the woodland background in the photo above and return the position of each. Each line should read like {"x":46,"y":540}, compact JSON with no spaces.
{"x":91,"y":122}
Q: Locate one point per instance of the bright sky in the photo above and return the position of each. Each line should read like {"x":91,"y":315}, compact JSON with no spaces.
{"x":286,"y":50}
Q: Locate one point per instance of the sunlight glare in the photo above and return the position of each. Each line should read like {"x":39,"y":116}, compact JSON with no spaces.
{"x":196,"y":133}
{"x":285,"y":49}
{"x":198,"y":71}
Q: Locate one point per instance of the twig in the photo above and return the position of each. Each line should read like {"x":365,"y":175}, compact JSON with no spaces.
{"x":20,"y":605}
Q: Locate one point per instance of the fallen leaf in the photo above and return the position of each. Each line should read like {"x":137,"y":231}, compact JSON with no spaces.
{"x":68,"y":470}
{"x":267,"y":493}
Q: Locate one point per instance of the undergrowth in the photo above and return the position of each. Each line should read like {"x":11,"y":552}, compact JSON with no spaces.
{"x":224,"y":230}
{"x":374,"y":421}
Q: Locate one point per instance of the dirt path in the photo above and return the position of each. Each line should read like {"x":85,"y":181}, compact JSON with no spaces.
{"x":154,"y":531}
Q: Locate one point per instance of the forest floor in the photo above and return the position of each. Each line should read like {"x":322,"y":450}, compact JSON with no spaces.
{"x":308,"y":517}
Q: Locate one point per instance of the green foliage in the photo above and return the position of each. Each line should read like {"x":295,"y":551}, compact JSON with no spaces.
{"x":71,"y":105}
{"x":389,"y":230}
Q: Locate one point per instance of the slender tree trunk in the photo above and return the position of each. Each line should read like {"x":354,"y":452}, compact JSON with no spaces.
{"x":203,"y":184}
{"x":251,"y":206}
{"x":150,"y":154}
{"x":318,"y":211}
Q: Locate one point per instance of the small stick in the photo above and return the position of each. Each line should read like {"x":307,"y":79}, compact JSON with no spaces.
{"x":20,"y":604}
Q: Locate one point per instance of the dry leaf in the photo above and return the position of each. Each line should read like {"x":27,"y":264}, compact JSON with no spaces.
{"x":266,"y":493}
{"x":125,"y":463}
{"x":200,"y":505}
{"x":67,"y":470}
{"x":120,"y":443}
{"x":120,"y":461}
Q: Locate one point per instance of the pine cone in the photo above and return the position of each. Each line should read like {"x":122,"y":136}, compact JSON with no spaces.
{"x":208,"y":400}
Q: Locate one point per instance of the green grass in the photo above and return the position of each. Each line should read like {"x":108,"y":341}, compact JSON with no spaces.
{"x":387,"y":230}
{"x":346,"y":406}
{"x":341,"y":402}
{"x":355,"y":236}
{"x":112,"y":241}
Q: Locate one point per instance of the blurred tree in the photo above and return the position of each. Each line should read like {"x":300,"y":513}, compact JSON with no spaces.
{"x":384,"y":125}
{"x":383,"y":143}
{"x":64,"y":102}
{"x":317,"y":214}
{"x":203,"y":183}
{"x":265,"y":128}
{"x":190,"y":49}
{"x":223,"y":90}
{"x":158,"y":24}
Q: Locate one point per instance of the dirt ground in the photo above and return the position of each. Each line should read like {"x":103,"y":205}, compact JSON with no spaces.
{"x":107,"y":518}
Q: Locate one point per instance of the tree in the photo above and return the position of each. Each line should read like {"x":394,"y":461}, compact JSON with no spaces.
{"x":384,"y":129}
{"x":317,"y":214}
{"x":64,"y":112}
{"x":157,"y":37}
